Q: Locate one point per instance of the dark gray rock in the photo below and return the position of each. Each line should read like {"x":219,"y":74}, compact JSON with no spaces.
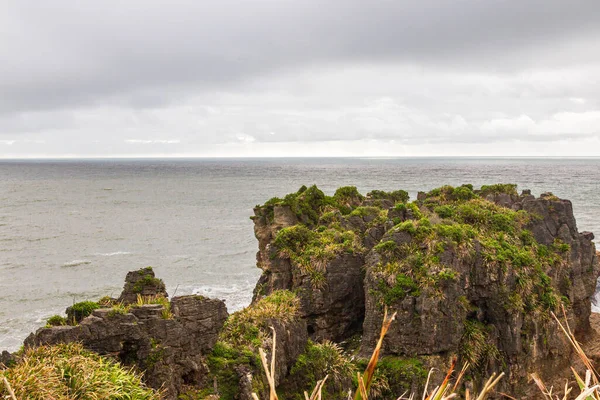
{"x":144,"y":283}
{"x":171,"y":351}
{"x":7,"y":359}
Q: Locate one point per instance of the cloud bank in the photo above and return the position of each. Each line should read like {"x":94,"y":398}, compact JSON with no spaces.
{"x":286,"y":78}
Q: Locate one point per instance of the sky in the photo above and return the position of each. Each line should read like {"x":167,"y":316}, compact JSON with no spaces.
{"x":260,"y":78}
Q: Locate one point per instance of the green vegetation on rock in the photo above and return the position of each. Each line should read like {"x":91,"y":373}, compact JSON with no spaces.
{"x":79,"y":311}
{"x":318,"y":360}
{"x":56,"y":320}
{"x":396,"y":195}
{"x":244,"y":332}
{"x":394,"y":376}
{"x":311,"y":250}
{"x":248,"y":326}
{"x":507,"y":188}
{"x":147,"y":280}
{"x":463,"y":222}
{"x":476,"y":347}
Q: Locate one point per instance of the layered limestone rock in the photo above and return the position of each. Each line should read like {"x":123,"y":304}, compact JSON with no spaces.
{"x":143,"y":283}
{"x":169,"y":341}
{"x":471,"y":273}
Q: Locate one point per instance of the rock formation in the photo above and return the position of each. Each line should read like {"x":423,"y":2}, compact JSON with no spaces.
{"x":472,"y":273}
{"x":141,"y":283}
{"x":168,"y":341}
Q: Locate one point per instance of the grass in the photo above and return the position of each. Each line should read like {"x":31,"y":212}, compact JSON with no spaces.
{"x":588,"y":384}
{"x":79,"y":311}
{"x":119,"y":309}
{"x":317,"y":361}
{"x":69,"y":372}
{"x":245,"y":332}
{"x":311,"y":250}
{"x":158,"y":299}
{"x":476,"y":348}
{"x":147,"y":280}
{"x":460,"y":220}
{"x":247,"y":326}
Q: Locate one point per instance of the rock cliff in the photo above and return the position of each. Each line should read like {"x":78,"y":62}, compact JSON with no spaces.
{"x":473,"y":274}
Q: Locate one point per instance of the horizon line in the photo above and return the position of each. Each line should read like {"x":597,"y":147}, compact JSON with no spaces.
{"x":365,"y":157}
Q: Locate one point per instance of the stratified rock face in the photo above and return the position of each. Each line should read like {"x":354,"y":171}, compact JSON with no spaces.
{"x":234,"y":364}
{"x":329,"y":285}
{"x":170,"y":349}
{"x":470,"y":273}
{"x":291,"y":339}
{"x":141,"y":283}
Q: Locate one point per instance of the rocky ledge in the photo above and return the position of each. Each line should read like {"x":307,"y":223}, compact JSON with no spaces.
{"x":473,"y":275}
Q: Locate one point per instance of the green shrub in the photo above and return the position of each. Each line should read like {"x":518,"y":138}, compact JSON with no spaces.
{"x":243,"y":328}
{"x":463,"y":193}
{"x":414,"y":210}
{"x":404,"y":286}
{"x":395,"y":375}
{"x":56,"y":320}
{"x":79,"y":311}
{"x":395,"y":196}
{"x":400,"y":207}
{"x":444,"y":211}
{"x":508,"y":188}
{"x":148,"y":280}
{"x":347,"y":193}
{"x":318,"y":360}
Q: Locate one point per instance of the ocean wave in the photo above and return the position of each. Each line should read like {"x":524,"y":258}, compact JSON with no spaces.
{"x":236,"y":296}
{"x":115,"y":253}
{"x":76,"y":263}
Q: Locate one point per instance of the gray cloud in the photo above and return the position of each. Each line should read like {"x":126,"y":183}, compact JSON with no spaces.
{"x":119,"y":77}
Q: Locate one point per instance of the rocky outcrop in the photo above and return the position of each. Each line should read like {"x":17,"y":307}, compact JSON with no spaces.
{"x":471,"y":273}
{"x":142,"y":282}
{"x":169,"y":343}
{"x":330,"y":288}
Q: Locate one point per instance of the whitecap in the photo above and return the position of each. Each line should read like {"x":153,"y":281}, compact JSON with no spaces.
{"x":76,"y":263}
{"x":116,"y":253}
{"x":236,"y":296}
{"x":596,"y":298}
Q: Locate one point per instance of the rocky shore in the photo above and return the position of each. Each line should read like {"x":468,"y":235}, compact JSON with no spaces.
{"x":473,"y":275}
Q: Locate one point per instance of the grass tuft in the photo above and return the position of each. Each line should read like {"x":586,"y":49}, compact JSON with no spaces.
{"x":68,"y":372}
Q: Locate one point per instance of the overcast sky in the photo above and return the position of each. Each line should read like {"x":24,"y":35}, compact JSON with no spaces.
{"x":299,"y":78}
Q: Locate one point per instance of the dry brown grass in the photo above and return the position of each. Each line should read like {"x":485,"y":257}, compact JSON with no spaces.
{"x":588,"y":385}
{"x":68,"y":372}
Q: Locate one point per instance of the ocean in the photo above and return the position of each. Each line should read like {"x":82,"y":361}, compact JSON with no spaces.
{"x":71,"y":229}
